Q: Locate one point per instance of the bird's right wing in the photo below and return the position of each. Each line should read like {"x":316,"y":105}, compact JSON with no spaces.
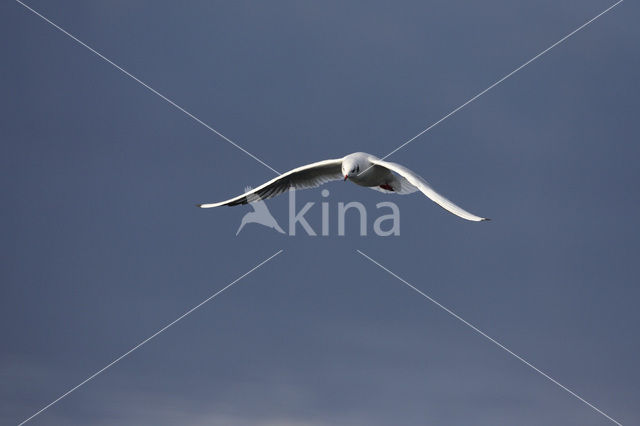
{"x":309,"y":176}
{"x":424,"y":187}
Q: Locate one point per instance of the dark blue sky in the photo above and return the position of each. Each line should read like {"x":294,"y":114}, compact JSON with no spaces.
{"x":102,"y":245}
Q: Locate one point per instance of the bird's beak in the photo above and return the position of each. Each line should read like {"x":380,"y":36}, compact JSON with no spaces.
{"x":345,"y":177}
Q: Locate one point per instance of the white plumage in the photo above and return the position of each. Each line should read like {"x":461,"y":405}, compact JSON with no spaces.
{"x":360,"y":168}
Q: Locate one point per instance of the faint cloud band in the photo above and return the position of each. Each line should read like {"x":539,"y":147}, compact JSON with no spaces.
{"x":115,"y":361}
{"x":485,"y":335}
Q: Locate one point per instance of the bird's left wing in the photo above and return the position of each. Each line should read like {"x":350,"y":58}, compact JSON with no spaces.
{"x":424,"y":187}
{"x":309,"y":176}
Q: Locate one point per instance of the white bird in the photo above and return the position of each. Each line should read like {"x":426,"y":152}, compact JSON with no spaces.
{"x":360,"y":168}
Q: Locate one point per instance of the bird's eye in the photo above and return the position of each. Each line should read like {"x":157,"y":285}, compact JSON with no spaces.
{"x":357,"y":169}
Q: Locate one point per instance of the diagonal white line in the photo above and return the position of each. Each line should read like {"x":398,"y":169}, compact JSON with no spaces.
{"x":491,"y":339}
{"x":501,"y":80}
{"x":151,"y":89}
{"x":91,"y":377}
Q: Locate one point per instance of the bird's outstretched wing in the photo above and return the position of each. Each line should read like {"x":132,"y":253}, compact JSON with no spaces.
{"x":308,"y":176}
{"x":424,"y":187}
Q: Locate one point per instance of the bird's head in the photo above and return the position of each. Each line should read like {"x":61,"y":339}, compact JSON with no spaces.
{"x":350,"y":168}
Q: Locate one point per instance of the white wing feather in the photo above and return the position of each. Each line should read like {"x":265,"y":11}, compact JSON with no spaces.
{"x":424,"y":187}
{"x":309,"y":176}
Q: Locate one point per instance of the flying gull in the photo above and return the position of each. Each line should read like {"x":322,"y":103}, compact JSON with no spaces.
{"x":360,"y":168}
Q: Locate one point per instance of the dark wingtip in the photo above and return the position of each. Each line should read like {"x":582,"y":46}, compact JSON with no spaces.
{"x":199,"y":205}
{"x":485,"y":219}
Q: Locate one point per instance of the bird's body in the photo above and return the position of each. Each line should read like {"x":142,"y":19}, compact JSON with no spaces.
{"x":360,"y":168}
{"x":369,"y":174}
{"x":372,"y":176}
